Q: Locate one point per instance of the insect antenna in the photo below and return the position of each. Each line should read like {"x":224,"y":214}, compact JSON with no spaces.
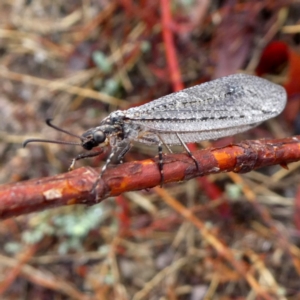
{"x":48,"y":122}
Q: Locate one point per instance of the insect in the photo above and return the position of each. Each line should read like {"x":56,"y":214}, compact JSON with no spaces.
{"x":215,"y":109}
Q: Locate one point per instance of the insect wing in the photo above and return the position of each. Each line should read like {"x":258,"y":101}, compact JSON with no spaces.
{"x":226,"y":105}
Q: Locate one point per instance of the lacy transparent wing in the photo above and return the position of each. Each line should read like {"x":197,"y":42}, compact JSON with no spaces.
{"x":228,"y":102}
{"x":152,"y":138}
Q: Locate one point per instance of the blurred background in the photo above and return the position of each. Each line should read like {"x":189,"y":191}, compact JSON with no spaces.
{"x":77,"y":61}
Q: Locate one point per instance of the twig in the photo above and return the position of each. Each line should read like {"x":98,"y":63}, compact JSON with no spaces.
{"x":74,"y":187}
{"x":171,"y":55}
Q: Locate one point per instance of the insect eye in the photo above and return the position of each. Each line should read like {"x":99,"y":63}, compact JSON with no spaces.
{"x":99,"y":137}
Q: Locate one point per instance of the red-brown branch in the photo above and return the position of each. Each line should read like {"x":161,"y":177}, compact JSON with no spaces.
{"x":74,"y":187}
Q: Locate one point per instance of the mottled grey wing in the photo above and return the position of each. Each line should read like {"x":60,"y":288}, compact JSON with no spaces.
{"x":218,"y":108}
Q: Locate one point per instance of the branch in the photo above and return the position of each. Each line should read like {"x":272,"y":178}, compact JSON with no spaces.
{"x":74,"y":187}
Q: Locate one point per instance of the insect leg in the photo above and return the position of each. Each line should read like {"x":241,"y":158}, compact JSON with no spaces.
{"x":160,"y":156}
{"x":155,"y":138}
{"x":117,"y":151}
{"x":163,"y":142}
{"x":82,"y":156}
{"x":111,"y":155}
{"x":188,"y":151}
{"x":121,"y":149}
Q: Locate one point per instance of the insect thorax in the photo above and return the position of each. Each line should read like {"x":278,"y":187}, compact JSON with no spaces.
{"x":113,"y":125}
